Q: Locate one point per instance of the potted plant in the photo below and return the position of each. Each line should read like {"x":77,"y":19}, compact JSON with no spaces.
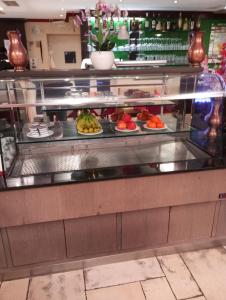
{"x":103,"y":39}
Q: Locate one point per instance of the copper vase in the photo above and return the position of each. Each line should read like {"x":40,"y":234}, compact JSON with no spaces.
{"x":196,"y":51}
{"x":17,"y":53}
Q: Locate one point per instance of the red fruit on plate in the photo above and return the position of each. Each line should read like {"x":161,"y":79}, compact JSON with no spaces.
{"x":160,"y":125}
{"x":121,"y":125}
{"x":139,"y":116}
{"x":126,"y":118}
{"x":131,"y":125}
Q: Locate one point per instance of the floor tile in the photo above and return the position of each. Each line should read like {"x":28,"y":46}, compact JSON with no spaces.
{"x":180,"y":279}
{"x":132,"y":291}
{"x":197,"y":298}
{"x":209,"y":269}
{"x":121,"y":273}
{"x":14,"y":290}
{"x":157,"y":289}
{"x":61,"y":286}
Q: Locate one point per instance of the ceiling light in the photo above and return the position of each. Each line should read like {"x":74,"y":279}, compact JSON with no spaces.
{"x":1,"y":8}
{"x":61,"y":15}
{"x":62,"y":8}
{"x":10,"y":3}
{"x":175,"y":1}
{"x":225,"y":7}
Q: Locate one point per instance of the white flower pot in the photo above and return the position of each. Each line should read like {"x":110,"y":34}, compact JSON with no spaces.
{"x":102,"y":60}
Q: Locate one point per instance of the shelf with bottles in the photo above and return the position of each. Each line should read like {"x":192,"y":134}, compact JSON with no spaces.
{"x":155,"y":22}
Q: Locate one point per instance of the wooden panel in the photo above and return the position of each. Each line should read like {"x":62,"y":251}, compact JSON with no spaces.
{"x":73,"y":201}
{"x":221,"y":223}
{"x":37,"y":243}
{"x":190,"y":222}
{"x":91,"y":235}
{"x":145,"y":228}
{"x":2,"y":254}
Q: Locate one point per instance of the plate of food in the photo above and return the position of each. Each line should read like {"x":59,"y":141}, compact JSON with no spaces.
{"x":126,"y":127}
{"x":143,"y":116}
{"x":88,"y":124}
{"x":155,"y":123}
{"x":91,"y":133}
{"x":39,"y":135}
{"x":163,"y":127}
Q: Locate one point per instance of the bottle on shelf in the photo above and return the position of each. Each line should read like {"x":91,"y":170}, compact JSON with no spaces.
{"x":180,"y":21}
{"x":111,"y":24}
{"x":146,"y":23}
{"x":96,"y":24}
{"x":198,"y":24}
{"x":89,"y":25}
{"x":140,"y":25}
{"x":117,"y":27}
{"x":153,"y":22}
{"x":192,"y":24}
{"x":159,"y":24}
{"x":185,"y":25}
{"x":168,"y":24}
{"x":174,"y":25}
{"x":164,"y":26}
{"x":133,"y":24}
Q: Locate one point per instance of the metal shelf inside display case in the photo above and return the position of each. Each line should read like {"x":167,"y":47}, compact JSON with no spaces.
{"x":164,"y":149}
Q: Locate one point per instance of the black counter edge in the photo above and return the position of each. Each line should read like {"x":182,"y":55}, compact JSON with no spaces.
{"x":122,"y":177}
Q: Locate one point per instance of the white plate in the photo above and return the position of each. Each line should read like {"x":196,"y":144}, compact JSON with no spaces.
{"x":32,"y":136}
{"x":155,"y":129}
{"x":93,"y":133}
{"x":127,"y":130}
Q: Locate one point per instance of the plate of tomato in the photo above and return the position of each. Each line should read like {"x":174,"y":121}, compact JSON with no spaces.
{"x":155,"y":123}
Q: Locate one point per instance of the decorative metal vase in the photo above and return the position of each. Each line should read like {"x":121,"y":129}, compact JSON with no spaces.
{"x":215,"y":120}
{"x":18,"y":56}
{"x":196,"y":51}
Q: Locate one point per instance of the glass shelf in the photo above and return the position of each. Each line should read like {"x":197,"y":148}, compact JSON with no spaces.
{"x":66,"y":131}
{"x":110,"y":101}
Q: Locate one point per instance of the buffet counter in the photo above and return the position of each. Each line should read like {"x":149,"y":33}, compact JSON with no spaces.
{"x":68,"y":196}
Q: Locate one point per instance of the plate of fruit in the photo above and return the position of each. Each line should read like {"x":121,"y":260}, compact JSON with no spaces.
{"x":126,"y":124}
{"x":155,"y":123}
{"x":144,"y":115}
{"x":87,"y":124}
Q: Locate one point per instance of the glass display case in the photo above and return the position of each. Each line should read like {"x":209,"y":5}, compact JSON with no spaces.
{"x":76,"y":126}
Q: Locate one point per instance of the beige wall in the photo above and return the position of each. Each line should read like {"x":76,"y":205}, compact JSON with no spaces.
{"x":37,"y":38}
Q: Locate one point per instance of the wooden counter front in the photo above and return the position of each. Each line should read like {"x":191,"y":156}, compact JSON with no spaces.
{"x":78,"y":220}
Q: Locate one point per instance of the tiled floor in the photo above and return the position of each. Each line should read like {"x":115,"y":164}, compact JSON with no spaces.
{"x":198,"y":275}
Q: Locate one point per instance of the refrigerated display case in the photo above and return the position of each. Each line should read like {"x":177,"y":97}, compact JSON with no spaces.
{"x":79,"y":126}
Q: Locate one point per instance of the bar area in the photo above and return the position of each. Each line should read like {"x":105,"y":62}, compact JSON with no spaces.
{"x":112,"y":136}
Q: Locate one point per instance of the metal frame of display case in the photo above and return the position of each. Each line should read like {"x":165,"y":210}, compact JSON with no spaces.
{"x":74,"y":146}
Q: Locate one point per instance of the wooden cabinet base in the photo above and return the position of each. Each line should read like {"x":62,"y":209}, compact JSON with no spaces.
{"x":61,"y":223}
